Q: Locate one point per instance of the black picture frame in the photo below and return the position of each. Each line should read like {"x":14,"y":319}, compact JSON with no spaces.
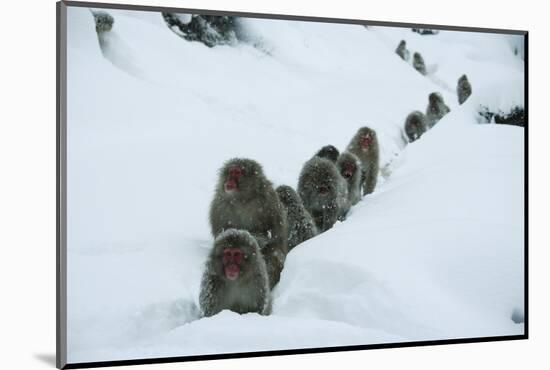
{"x":61,"y":187}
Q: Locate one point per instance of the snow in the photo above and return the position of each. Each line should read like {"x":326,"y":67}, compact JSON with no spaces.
{"x":436,"y":252}
{"x":184,"y":18}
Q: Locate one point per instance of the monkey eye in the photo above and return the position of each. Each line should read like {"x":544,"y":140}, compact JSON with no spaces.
{"x":232,"y":255}
{"x":366,"y":139}
{"x":237,"y":256}
{"x":235,"y":171}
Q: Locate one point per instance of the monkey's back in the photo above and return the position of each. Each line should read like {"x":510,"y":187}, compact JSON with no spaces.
{"x":418,"y":63}
{"x":300,"y":223}
{"x":463,"y":89}
{"x":260,"y":215}
{"x":435,"y":112}
{"x":325,"y":210}
{"x":415,"y":125}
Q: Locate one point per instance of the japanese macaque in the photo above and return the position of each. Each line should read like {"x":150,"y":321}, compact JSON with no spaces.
{"x":349,"y":167}
{"x":418,"y":63}
{"x":103,"y":21}
{"x":235,"y":277}
{"x":415,"y":125}
{"x":329,"y":152}
{"x":436,"y":109}
{"x":402,"y":50}
{"x":463,"y":89}
{"x":323,"y":192}
{"x":365,"y":146}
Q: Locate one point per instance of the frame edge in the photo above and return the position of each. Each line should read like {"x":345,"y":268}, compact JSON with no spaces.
{"x":290,"y":17}
{"x":61,"y":216}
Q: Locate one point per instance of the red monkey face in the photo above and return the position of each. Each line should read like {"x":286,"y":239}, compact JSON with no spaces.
{"x":323,"y":190}
{"x":365,"y":140}
{"x":348,"y":170}
{"x":234,"y":173}
{"x":232,"y":260}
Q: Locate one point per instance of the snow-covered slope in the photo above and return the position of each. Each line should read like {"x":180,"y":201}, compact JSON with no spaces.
{"x":435,"y":253}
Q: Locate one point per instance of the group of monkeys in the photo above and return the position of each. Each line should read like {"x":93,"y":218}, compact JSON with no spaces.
{"x":417,"y":123}
{"x":418,"y":60}
{"x":255,"y":225}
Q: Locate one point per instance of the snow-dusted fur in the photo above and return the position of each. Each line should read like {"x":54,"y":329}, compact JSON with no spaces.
{"x":324,"y":192}
{"x":415,"y":125}
{"x":369,"y":157}
{"x":463,"y":89}
{"x":329,"y":152}
{"x":350,"y":169}
{"x":249,"y":292}
{"x":211,"y":30}
{"x":300,"y":223}
{"x":436,"y":109}
{"x":103,"y":21}
{"x":419,"y":64}
{"x":402,"y":51}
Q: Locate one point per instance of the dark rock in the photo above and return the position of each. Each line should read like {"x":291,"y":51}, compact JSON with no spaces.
{"x":209,"y":29}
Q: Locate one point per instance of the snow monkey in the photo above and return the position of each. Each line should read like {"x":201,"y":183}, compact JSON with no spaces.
{"x":463,"y":89}
{"x":418,"y":63}
{"x":300,"y":223}
{"x":329,"y":152}
{"x":415,"y":125}
{"x":235,"y":277}
{"x":402,"y":50}
{"x":436,"y":109}
{"x":324,"y":192}
{"x":349,"y":167}
{"x":365,"y":146}
{"x":245,"y":199}
{"x":103,"y":21}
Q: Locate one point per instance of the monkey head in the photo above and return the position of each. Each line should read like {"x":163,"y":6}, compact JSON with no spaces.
{"x":415,"y":122}
{"x":435,"y":98}
{"x":365,"y":138}
{"x":319,"y":181}
{"x":234,"y":253}
{"x":348,"y":164}
{"x":287,"y":195}
{"x":348,"y":169}
{"x":103,"y":21}
{"x":329,"y":152}
{"x":240,"y":176}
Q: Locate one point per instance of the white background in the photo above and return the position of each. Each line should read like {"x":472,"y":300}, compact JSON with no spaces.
{"x":27,"y":185}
